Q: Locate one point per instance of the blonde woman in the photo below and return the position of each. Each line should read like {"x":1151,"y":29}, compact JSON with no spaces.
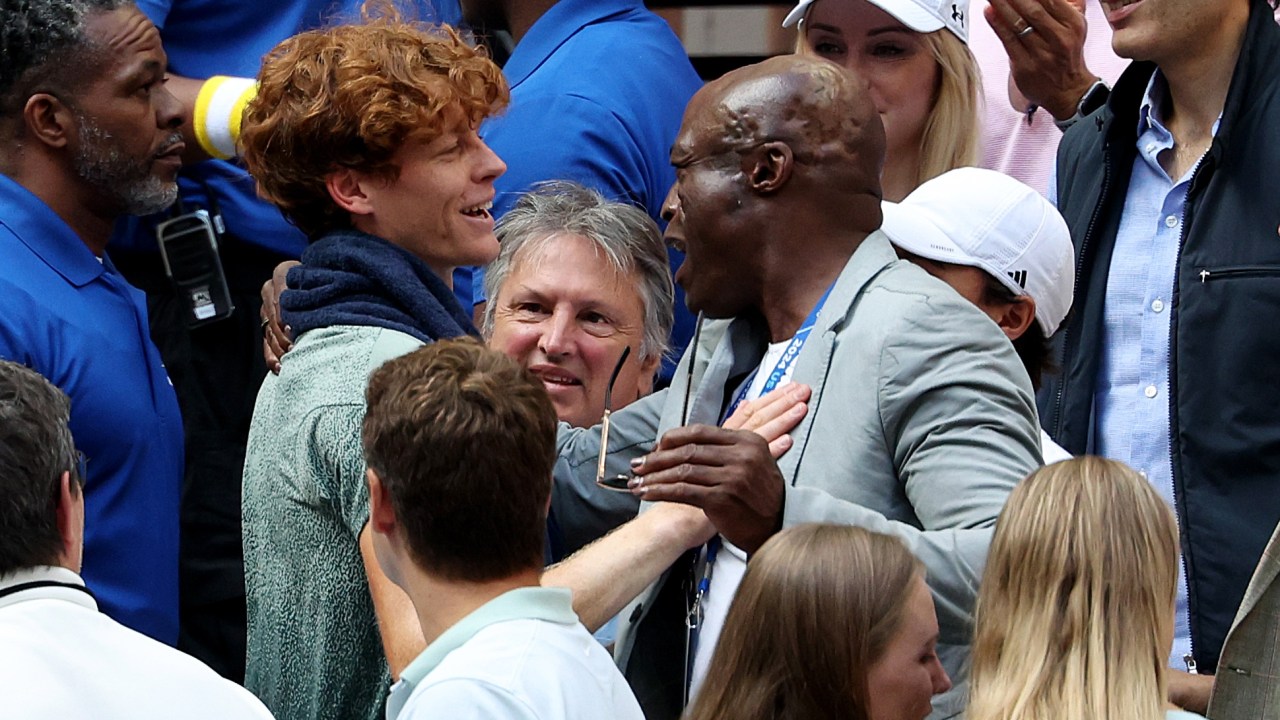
{"x":831,"y":621}
{"x":1075,"y":613}
{"x":923,"y":79}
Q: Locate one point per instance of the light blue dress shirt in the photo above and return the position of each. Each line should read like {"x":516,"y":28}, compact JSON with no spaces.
{"x":1131,"y":399}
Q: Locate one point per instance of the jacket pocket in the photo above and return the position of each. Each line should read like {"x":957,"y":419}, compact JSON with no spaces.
{"x":1237,"y":271}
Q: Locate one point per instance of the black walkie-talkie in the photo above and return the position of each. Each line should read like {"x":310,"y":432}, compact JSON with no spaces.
{"x":189,"y":248}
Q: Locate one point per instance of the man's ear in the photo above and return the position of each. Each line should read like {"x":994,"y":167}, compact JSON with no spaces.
{"x":768,"y":166}
{"x":49,"y":120}
{"x":1017,"y":316}
{"x":382,"y":517}
{"x":69,"y":515}
{"x":347,"y":188}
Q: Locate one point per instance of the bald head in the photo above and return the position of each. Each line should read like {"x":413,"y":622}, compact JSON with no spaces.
{"x":822,"y":112}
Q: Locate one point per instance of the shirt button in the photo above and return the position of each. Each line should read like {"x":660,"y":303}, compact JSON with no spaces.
{"x":1150,"y":391}
{"x":1157,"y":305}
{"x":1171,"y":221}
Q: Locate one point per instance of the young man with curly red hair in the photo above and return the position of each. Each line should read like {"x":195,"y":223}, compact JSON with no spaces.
{"x":365,"y":137}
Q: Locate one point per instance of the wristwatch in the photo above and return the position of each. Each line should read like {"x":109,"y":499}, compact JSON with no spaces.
{"x":1094,"y":98}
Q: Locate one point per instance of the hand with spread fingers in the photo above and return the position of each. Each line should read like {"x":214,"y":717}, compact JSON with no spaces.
{"x":730,"y":474}
{"x":1045,"y":43}
{"x":276,"y":338}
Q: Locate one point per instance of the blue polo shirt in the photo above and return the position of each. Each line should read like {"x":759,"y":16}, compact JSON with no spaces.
{"x":598,"y":88}
{"x":76,"y":321}
{"x":204,"y":38}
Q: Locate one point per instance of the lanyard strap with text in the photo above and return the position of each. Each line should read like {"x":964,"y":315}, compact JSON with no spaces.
{"x":784,"y":363}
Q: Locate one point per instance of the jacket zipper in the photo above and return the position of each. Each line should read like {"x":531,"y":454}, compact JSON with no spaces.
{"x":1207,"y":274}
{"x":1188,"y":212}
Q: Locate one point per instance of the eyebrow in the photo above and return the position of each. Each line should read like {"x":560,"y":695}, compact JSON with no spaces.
{"x":871,"y":33}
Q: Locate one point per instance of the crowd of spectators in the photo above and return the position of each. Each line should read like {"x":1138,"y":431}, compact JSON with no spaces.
{"x":917,"y":373}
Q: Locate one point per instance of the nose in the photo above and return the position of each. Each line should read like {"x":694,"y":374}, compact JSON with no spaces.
{"x":941,"y":681}
{"x":557,"y":335}
{"x":168,"y":108}
{"x":489,"y":166}
{"x":670,"y":205}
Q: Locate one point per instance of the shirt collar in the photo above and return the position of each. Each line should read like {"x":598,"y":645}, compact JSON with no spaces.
{"x":527,"y":603}
{"x":1151,"y":112}
{"x":46,"y":574}
{"x":554,"y":28}
{"x":38,"y":227}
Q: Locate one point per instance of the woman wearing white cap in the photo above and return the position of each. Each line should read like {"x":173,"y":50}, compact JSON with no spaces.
{"x":923,"y":78}
{"x":1003,"y":247}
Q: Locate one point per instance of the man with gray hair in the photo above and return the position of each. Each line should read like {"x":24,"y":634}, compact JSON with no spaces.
{"x":580,"y":279}
{"x":63,"y":658}
{"x":89,"y":133}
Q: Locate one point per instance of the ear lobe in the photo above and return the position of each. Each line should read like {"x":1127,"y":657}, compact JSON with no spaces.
{"x":347,"y":187}
{"x":49,"y":120}
{"x":768,"y":166}
{"x":382,"y":517}
{"x":1017,"y":317}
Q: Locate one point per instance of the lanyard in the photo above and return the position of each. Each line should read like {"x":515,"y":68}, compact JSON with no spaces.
{"x":693,"y":621}
{"x":35,"y":584}
{"x":784,"y":363}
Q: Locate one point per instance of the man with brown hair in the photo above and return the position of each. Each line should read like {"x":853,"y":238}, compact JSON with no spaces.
{"x":460,"y":444}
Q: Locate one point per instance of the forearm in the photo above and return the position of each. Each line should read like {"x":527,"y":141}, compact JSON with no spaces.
{"x":614,"y":570}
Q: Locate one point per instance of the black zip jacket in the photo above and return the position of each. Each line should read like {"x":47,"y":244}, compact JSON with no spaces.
{"x":1224,"y":344}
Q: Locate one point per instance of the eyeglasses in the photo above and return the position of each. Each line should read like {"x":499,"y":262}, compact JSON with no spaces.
{"x":622,"y":483}
{"x":617,"y":483}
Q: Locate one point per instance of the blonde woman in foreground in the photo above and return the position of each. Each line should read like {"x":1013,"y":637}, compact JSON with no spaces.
{"x":1075,"y":614}
{"x":830,"y":622}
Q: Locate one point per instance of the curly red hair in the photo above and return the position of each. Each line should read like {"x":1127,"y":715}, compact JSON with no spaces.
{"x":348,"y":97}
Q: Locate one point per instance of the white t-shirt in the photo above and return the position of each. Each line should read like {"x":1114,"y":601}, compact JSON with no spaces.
{"x":1052,"y":451}
{"x":731,"y":562}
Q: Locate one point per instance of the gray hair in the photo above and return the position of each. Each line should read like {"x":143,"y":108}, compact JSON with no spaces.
{"x":623,"y":233}
{"x":35,"y":449}
{"x":39,"y":40}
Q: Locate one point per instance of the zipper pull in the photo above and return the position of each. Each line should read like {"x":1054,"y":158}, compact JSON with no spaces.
{"x":1190,"y":660}
{"x":1204,"y":275}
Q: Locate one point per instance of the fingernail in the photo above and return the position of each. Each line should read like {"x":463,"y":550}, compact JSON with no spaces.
{"x":636,"y":462}
{"x":635,"y":483}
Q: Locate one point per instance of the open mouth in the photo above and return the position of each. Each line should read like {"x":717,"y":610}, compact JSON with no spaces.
{"x":478,"y":211}
{"x":1117,"y":4}
{"x":554,"y":377}
{"x":675,"y":243}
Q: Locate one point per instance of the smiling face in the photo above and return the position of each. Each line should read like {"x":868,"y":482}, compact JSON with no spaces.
{"x":902,"y":683}
{"x":894,"y":59}
{"x":566,"y":313}
{"x":127,"y":149}
{"x":438,"y":206}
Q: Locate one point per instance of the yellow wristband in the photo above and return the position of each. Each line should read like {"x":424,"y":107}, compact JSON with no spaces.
{"x":219,"y":107}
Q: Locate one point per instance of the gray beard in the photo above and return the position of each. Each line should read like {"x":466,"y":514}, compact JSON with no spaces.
{"x":100,"y":162}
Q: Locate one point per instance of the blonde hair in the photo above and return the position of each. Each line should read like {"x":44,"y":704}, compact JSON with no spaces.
{"x":1075,"y":612}
{"x":950,"y":138}
{"x":833,"y":596}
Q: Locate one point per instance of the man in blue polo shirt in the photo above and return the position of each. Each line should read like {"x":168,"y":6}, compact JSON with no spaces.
{"x":90,"y":133}
{"x":598,"y":88}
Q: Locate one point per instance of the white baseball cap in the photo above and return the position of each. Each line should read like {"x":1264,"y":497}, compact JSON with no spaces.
{"x":920,"y":15}
{"x":986,"y":219}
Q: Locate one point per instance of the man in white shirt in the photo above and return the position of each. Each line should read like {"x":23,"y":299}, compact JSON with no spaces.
{"x":460,"y":445}
{"x":62,"y":657}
